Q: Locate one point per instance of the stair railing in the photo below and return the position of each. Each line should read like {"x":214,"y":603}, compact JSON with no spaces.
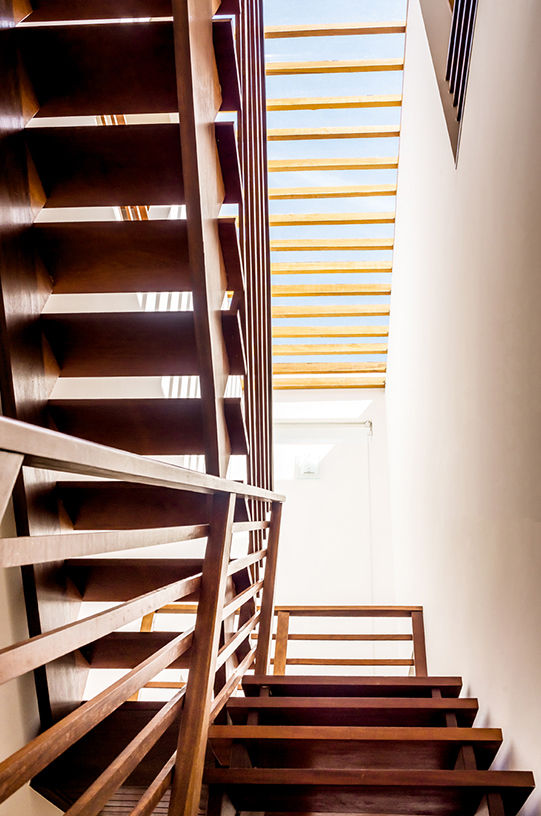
{"x":416,"y":664}
{"x":217,"y":649}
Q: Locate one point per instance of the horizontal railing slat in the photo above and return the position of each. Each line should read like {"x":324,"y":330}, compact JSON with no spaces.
{"x":350,"y":611}
{"x":36,"y":651}
{"x":37,"y":754}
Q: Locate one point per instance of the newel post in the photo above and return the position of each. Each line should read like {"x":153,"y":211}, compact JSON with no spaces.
{"x":267,"y":603}
{"x":194,"y":725}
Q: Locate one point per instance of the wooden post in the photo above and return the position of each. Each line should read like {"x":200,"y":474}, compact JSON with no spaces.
{"x":419,"y":647}
{"x":192,"y":740}
{"x":267,"y":604}
{"x":282,"y":634}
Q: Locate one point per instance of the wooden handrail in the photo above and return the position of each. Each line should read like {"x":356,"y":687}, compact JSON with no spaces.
{"x":283,"y":636}
{"x":51,"y":450}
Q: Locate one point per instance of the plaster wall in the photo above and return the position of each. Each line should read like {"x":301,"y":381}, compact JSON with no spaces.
{"x":464,"y":391}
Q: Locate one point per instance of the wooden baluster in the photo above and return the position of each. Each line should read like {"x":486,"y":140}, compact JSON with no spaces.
{"x":192,"y":740}
{"x":419,"y":646}
{"x":267,"y":604}
{"x":282,"y":634}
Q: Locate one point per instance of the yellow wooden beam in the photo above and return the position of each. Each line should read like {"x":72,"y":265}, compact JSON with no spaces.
{"x":299,"y":383}
{"x":334,"y":102}
{"x":331,"y":367}
{"x":364,"y":132}
{"x":325,"y":267}
{"x":349,"y":191}
{"x":333,"y":67}
{"x":331,"y":244}
{"x":332,"y":290}
{"x":329,"y":331}
{"x":323,"y":219}
{"x":373,"y":309}
{"x":360,"y":163}
{"x":333,"y":30}
{"x":307,"y":350}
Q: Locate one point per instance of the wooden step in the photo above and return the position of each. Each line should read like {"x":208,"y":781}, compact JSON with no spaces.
{"x":108,"y":505}
{"x":69,"y":775}
{"x":125,"y":650}
{"x":323,"y":711}
{"x":87,"y":70}
{"x":119,"y":579}
{"x":327,"y":686}
{"x":134,"y":344}
{"x":52,"y":10}
{"x":116,"y":256}
{"x":314,"y":746}
{"x":149,"y":427}
{"x":121,"y":165}
{"x":430,"y":792}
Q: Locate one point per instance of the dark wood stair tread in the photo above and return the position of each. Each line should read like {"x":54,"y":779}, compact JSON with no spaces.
{"x":125,"y":650}
{"x":407,"y":711}
{"x":149,"y":427}
{"x":119,"y":579}
{"x":51,"y":10}
{"x":305,"y":685}
{"x":429,"y":792}
{"x":136,"y":344}
{"x":127,"y":256}
{"x":359,"y":747}
{"x":111,"y":68}
{"x":110,"y":505}
{"x":97,"y":166}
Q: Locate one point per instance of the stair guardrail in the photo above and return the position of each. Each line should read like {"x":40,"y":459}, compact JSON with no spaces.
{"x":217,"y":649}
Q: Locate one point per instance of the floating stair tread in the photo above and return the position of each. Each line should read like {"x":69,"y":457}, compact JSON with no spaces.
{"x":311,"y":746}
{"x":121,"y":165}
{"x":117,"y":256}
{"x":407,"y":711}
{"x":119,"y":579}
{"x":149,"y":427}
{"x":110,"y":505}
{"x":430,"y":792}
{"x":125,"y":650}
{"x":45,"y":11}
{"x":133,"y":344}
{"x":115,"y":68}
{"x":305,"y":685}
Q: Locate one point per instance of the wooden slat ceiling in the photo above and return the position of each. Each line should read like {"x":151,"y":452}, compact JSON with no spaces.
{"x":333,"y":103}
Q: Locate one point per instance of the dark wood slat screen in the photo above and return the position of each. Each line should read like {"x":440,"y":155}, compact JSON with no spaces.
{"x":460,"y":45}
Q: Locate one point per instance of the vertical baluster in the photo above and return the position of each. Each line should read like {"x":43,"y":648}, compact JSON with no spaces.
{"x":419,"y":647}
{"x":267,"y":604}
{"x":282,"y":634}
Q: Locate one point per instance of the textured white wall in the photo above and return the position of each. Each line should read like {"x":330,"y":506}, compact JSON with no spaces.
{"x":464,"y":392}
{"x":335,"y":541}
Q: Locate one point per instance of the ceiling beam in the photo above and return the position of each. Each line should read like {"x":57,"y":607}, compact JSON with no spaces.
{"x":362,"y":132}
{"x":333,"y":30}
{"x":329,"y":331}
{"x":360,"y":163}
{"x":323,"y":219}
{"x":332,"y":290}
{"x":331,"y":244}
{"x":348,"y":191}
{"x":333,"y":67}
{"x":334,"y":102}
{"x":283,"y":350}
{"x":290,"y":383}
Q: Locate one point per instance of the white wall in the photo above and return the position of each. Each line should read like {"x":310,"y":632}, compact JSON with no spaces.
{"x":335,"y":541}
{"x":464,"y":393}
